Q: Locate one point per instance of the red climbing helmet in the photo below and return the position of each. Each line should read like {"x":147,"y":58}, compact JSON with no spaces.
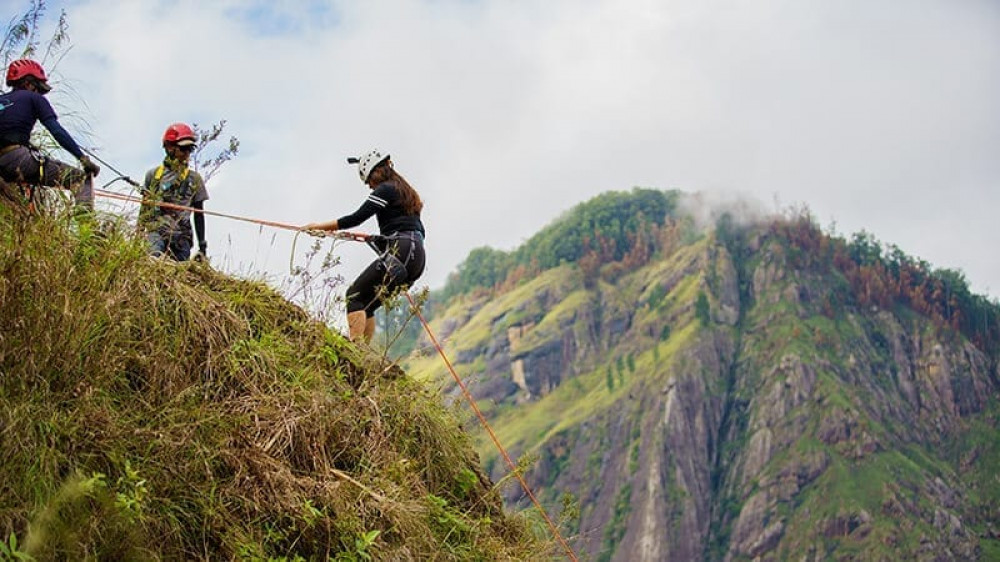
{"x":24,"y":67}
{"x":179,"y":134}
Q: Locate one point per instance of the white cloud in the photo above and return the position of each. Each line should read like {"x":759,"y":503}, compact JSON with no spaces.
{"x":883,"y":116}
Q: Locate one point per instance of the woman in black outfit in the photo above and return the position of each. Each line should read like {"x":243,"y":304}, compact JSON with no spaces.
{"x":401,"y":245}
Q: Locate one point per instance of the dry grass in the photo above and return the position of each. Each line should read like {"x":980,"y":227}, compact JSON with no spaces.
{"x":150,"y":410}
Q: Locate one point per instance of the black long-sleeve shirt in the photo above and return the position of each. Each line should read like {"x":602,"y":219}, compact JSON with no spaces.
{"x":385,"y":204}
{"x":20,"y":110}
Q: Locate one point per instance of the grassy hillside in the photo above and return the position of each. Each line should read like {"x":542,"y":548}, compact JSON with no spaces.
{"x":150,"y":410}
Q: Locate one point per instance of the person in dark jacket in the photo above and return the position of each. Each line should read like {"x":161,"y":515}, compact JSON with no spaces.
{"x":20,"y":163}
{"x":167,"y":229}
{"x":401,"y":261}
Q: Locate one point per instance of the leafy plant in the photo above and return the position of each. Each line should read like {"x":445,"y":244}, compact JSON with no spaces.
{"x":132,"y":492}
{"x":362,"y":546}
{"x":10,"y":551}
{"x":209,"y":164}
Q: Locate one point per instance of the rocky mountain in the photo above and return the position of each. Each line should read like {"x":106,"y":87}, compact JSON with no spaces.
{"x":757,"y":391}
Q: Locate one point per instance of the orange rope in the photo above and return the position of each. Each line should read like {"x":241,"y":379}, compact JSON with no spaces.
{"x":358,"y":236}
{"x":493,"y":436}
{"x":361,"y":237}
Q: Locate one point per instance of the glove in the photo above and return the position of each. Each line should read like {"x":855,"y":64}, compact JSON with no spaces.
{"x":89,"y":167}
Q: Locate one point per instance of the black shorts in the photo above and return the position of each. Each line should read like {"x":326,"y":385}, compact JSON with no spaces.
{"x":400,"y":265}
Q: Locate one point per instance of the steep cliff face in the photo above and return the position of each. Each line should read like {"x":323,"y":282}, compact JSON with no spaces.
{"x":847,"y":418}
{"x":713,"y":405}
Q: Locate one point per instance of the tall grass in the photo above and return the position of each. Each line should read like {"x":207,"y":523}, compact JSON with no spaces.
{"x":153,"y":410}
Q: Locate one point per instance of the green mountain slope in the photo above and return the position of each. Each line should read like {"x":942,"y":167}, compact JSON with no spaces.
{"x":761,"y":391}
{"x":158,"y":411}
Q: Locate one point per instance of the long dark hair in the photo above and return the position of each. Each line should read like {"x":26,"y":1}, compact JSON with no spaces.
{"x":408,"y":197}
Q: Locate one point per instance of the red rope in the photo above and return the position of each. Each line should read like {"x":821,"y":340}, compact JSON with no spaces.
{"x":358,"y":236}
{"x":492,"y":434}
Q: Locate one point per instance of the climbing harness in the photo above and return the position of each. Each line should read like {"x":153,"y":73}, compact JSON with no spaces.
{"x":158,"y":174}
{"x":33,"y":190}
{"x":395,"y":266}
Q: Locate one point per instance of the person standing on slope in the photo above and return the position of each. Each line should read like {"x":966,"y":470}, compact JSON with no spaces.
{"x":21,"y":163}
{"x":168,"y":230}
{"x":401,"y":245}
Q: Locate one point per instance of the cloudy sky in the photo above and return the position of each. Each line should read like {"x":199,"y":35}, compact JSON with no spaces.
{"x":882,"y":116}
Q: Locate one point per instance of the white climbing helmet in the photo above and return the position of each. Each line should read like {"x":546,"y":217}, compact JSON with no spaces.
{"x":368,"y":162}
